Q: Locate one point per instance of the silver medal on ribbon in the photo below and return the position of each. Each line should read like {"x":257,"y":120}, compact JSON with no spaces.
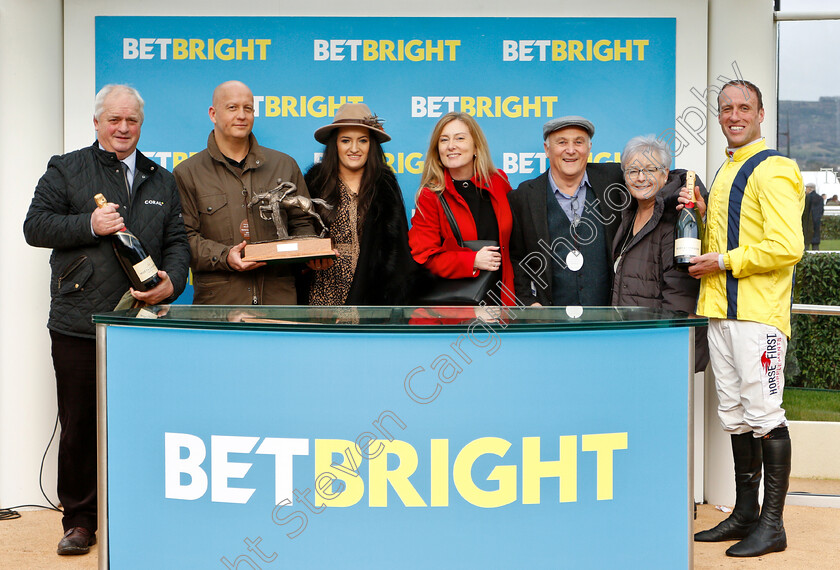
{"x":574,"y":260}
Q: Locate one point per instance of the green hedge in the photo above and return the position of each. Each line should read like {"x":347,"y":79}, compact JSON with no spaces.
{"x":830,"y":227}
{"x":814,"y":352}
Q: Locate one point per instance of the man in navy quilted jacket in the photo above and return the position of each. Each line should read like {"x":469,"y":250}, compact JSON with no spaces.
{"x":87,"y":277}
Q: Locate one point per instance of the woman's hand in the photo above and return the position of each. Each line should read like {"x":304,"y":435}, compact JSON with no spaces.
{"x":685,"y":198}
{"x":488,"y":258}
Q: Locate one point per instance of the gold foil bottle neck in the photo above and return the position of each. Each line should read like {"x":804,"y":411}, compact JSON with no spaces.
{"x":689,"y":180}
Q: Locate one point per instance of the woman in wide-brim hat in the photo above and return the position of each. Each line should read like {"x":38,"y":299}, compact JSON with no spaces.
{"x":367,"y":224}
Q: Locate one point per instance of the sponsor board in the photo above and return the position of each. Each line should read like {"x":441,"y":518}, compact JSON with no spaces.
{"x":512,"y":74}
{"x":475,"y":449}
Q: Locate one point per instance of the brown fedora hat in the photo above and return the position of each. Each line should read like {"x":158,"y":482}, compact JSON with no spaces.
{"x":353,"y":115}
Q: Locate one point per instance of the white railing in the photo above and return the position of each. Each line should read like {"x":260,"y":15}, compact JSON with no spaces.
{"x":800,"y":309}
{"x":800,"y":16}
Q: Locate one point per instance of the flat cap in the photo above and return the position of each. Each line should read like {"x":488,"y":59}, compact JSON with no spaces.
{"x":568,"y":121}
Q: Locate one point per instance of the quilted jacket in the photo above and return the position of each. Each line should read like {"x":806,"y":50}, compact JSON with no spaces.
{"x":86,"y":276}
{"x":646,"y":275}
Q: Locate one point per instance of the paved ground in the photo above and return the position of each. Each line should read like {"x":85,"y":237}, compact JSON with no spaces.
{"x":812,"y":535}
{"x":30,"y":541}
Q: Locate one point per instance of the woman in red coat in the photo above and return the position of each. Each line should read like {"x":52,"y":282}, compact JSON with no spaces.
{"x":459,"y":166}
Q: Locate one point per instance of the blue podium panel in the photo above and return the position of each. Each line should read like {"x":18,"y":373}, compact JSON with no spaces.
{"x":463,"y":449}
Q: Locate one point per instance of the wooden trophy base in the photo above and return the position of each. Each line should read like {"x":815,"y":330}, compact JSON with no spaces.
{"x":290,"y":250}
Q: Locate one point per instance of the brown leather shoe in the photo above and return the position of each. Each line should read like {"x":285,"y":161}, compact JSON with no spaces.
{"x":77,"y":540}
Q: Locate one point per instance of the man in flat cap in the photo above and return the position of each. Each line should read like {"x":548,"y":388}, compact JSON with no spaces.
{"x":564,"y":221}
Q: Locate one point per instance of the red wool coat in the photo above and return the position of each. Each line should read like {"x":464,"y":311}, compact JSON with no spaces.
{"x":433,"y":243}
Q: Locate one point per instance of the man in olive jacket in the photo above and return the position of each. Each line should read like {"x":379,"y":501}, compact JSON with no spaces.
{"x":87,"y":277}
{"x":216,"y":186}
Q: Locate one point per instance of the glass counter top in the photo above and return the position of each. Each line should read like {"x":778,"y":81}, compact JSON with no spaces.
{"x":397,"y":319}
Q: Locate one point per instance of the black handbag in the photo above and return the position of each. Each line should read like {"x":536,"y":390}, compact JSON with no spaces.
{"x":465,"y":291}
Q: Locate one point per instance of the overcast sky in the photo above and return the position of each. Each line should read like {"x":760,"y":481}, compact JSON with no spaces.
{"x":808,"y":53}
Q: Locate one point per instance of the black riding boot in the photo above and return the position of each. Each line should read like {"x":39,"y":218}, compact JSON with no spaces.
{"x":746,"y":450}
{"x":769,"y":534}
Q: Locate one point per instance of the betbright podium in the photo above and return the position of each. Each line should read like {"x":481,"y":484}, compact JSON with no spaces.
{"x":395,"y":437}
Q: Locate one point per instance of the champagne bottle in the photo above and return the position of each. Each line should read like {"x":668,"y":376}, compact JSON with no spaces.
{"x":688,"y":230}
{"x":137,"y":264}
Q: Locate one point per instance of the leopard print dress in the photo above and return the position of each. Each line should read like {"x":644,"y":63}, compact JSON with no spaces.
{"x":331,"y":286}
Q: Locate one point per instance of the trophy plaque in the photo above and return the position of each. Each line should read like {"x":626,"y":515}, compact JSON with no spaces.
{"x":273,"y":206}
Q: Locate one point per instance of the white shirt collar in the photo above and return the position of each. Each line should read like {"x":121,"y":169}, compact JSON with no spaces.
{"x":732,"y":150}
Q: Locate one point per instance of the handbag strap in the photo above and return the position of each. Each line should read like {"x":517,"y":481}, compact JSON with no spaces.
{"x":449,"y":216}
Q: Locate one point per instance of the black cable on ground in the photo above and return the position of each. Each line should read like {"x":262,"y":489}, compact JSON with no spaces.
{"x":9,"y":513}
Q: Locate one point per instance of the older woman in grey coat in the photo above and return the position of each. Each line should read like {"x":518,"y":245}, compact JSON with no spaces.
{"x":643,"y":248}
